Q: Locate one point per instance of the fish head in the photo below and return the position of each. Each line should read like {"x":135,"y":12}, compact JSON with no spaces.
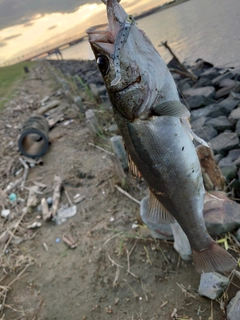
{"x":132,"y":69}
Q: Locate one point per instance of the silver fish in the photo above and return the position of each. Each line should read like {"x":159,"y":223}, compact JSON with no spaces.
{"x":155,"y":128}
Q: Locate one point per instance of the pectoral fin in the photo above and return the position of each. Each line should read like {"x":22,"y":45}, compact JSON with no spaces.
{"x":156,"y":211}
{"x":172,"y":109}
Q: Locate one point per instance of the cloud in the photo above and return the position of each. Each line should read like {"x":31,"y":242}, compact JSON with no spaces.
{"x":12,"y":37}
{"x":13,"y":12}
{"x":50,"y":28}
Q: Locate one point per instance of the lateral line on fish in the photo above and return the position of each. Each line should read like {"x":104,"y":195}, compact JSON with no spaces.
{"x":118,"y":45}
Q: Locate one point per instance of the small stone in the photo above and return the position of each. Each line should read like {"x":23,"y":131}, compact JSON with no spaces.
{"x":220,"y":123}
{"x":229,"y":172}
{"x":228,"y":83}
{"x":238,"y":234}
{"x":195,"y":102}
{"x":235,"y":95}
{"x":213,"y":110}
{"x":218,"y":79}
{"x":113,"y":128}
{"x":229,"y":104}
{"x":49,"y":201}
{"x":202,"y":82}
{"x":212,"y":285}
{"x":234,"y":115}
{"x":234,"y":154}
{"x":199,"y":123}
{"x":5,"y":213}
{"x":184,"y":84}
{"x":206,"y":132}
{"x":233,"y":308}
{"x":210,"y":73}
{"x":207,"y":92}
{"x":223,"y":92}
{"x":237,"y":131}
{"x":217,"y":158}
{"x":224,"y":142}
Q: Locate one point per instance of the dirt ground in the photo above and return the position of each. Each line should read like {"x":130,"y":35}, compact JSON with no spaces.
{"x":116,"y":271}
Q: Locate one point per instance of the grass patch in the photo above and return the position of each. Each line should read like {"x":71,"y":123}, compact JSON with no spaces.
{"x":9,"y":78}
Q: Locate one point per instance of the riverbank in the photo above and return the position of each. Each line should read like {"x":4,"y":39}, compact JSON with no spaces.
{"x":112,"y":267}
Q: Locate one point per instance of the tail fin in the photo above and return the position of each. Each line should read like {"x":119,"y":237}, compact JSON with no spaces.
{"x":214,"y":258}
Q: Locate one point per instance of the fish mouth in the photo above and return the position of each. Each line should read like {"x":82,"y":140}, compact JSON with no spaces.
{"x":105,"y":35}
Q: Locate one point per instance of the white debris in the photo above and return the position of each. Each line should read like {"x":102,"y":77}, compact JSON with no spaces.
{"x":5,"y":213}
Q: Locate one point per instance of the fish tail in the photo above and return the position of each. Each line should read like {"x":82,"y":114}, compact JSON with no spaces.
{"x":213,"y":258}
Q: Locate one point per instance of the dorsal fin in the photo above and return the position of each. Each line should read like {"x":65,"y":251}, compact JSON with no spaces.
{"x":157,"y":213}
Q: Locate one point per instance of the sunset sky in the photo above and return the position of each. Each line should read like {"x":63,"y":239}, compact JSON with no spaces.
{"x":28,"y":25}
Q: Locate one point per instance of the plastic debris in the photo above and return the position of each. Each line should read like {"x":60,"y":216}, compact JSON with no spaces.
{"x":57,"y":240}
{"x":63,"y":213}
{"x":12,"y":197}
{"x":5,"y":213}
{"x":34,"y":225}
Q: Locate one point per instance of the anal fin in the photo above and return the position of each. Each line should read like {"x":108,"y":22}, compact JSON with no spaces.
{"x":133,"y":168}
{"x":157,"y":213}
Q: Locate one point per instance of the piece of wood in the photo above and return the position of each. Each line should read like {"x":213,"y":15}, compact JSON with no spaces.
{"x":56,"y":195}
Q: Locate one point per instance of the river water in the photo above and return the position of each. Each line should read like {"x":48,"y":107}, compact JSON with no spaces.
{"x":207,"y":29}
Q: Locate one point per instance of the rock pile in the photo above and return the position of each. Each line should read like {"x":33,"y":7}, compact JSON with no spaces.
{"x":214,"y":101}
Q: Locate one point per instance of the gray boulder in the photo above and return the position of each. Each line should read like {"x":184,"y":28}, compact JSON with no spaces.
{"x":213,"y":110}
{"x":220,"y":123}
{"x":234,"y":115}
{"x":195,"y":102}
{"x":206,"y":132}
{"x":217,"y":80}
{"x":237,"y":131}
{"x":233,"y":308}
{"x":212,"y":285}
{"x":221,"y":216}
{"x":224,"y":142}
{"x":228,"y":105}
{"x":207,"y":92}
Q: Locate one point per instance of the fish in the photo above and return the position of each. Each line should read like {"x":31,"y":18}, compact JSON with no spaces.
{"x":156,"y":131}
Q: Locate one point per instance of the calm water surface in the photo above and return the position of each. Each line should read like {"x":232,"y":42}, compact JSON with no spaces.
{"x":208,"y":29}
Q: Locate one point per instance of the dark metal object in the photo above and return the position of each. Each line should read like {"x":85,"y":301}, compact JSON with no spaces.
{"x":33,"y":141}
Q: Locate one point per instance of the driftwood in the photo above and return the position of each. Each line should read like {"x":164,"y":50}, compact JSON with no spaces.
{"x":212,"y":176}
{"x":185,"y":71}
{"x":56,"y":195}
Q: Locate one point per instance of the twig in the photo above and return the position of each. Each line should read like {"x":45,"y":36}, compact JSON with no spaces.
{"x":69,"y":200}
{"x":134,"y":293}
{"x":126,"y":194}
{"x":25,"y":174}
{"x":94,"y":145}
{"x":113,"y":262}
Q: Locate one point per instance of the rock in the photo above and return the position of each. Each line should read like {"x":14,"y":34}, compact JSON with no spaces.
{"x":184,"y":84}
{"x":218,"y":157}
{"x":78,"y":101}
{"x":181,"y":243}
{"x":113,"y":128}
{"x":224,"y":142}
{"x":237,"y":131}
{"x":195,"y":102}
{"x":213,"y":110}
{"x":207,"y":92}
{"x":228,"y":104}
{"x":210,"y":73}
{"x":234,"y":95}
{"x":212,"y":285}
{"x":233,"y":154}
{"x":223,"y":92}
{"x":159,"y":231}
{"x":94,"y":90}
{"x":228,"y":171}
{"x":217,"y":80}
{"x":228,"y":83}
{"x":220,"y":123}
{"x":202,"y":82}
{"x":206,"y":132}
{"x":234,"y":115}
{"x":233,"y":308}
{"x":199,"y":123}
{"x":238,"y":234}
{"x":221,"y":216}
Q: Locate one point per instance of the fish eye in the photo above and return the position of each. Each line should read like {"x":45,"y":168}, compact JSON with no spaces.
{"x":103,"y":64}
